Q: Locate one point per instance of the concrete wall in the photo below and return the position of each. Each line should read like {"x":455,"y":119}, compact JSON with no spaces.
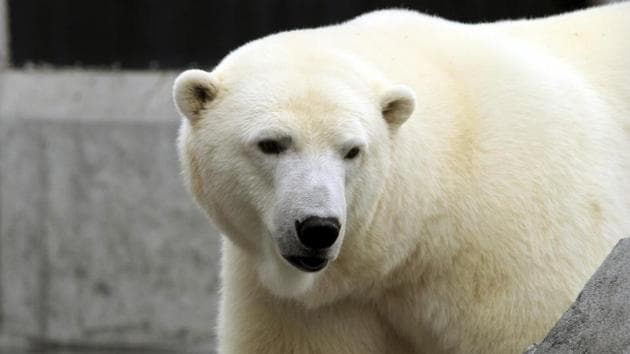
{"x":100,"y":245}
{"x":4,"y":35}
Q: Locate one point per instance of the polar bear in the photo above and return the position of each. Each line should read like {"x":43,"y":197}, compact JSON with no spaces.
{"x":400,"y":183}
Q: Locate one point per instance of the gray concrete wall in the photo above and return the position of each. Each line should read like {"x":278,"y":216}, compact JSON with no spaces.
{"x":100,"y":245}
{"x":4,"y":35}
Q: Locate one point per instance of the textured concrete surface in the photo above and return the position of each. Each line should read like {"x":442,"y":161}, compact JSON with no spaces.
{"x":599,"y":319}
{"x":100,"y":245}
{"x":4,"y":34}
{"x":87,"y":96}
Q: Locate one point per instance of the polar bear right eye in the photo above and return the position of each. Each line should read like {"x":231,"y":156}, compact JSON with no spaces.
{"x":353,"y":153}
{"x":271,"y":147}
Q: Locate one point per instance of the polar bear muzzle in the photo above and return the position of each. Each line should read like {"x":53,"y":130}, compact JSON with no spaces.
{"x":317,"y":235}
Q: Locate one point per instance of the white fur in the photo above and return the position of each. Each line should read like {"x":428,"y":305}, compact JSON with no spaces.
{"x":493,"y":178}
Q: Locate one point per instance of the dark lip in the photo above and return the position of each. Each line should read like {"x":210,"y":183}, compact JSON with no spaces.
{"x":307,"y":264}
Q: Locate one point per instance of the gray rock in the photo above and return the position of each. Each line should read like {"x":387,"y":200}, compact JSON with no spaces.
{"x":599,"y":319}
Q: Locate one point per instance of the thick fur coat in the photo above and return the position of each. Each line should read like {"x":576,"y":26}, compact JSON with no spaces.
{"x":477,"y":174}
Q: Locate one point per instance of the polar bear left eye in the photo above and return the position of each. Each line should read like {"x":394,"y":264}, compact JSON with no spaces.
{"x":271,"y":147}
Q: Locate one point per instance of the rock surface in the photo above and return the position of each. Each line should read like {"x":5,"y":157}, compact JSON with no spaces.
{"x":599,"y":319}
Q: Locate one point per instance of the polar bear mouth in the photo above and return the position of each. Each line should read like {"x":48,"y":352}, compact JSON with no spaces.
{"x":308,"y":264}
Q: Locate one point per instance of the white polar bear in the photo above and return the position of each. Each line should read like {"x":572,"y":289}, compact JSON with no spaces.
{"x":400,"y":183}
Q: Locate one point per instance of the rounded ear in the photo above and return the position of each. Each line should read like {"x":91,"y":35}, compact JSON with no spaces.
{"x":397,"y":104}
{"x":193,"y":91}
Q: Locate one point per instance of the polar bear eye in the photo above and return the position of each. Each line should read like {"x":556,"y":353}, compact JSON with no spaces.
{"x":352,"y":153}
{"x":271,"y":147}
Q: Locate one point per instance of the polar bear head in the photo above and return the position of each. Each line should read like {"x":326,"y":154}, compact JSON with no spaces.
{"x":288,"y":151}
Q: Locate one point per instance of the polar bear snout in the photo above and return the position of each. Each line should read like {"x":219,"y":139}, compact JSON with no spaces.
{"x":317,"y":233}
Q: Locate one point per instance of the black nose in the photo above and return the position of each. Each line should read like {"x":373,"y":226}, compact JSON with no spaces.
{"x":318,"y":233}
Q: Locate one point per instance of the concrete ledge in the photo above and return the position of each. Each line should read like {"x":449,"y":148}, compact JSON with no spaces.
{"x":599,"y":319}
{"x":59,"y":95}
